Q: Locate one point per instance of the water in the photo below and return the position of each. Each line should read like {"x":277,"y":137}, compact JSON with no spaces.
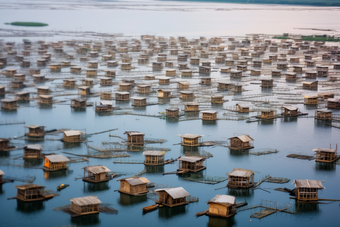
{"x":300,"y":136}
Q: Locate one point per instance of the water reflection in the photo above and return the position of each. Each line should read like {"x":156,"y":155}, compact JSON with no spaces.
{"x":192,"y":114}
{"x":127,"y":200}
{"x":88,"y":220}
{"x":45,"y":106}
{"x":169,"y":212}
{"x":4,"y":154}
{"x":242,"y":192}
{"x":306,"y":207}
{"x":325,"y":166}
{"x":204,"y":122}
{"x":95,"y":187}
{"x":154,"y":169}
{"x":1,"y":191}
{"x":190,"y":150}
{"x":56,"y":174}
{"x":78,"y":110}
{"x":239,"y":152}
{"x":289,"y":119}
{"x":266,"y":122}
{"x":323,"y":123}
{"x":225,"y":222}
{"x":163,"y":101}
{"x":172,"y":120}
{"x":33,"y":162}
{"x":30,"y":207}
{"x":71,"y":145}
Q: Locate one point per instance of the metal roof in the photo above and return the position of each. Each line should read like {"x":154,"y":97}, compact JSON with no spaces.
{"x":8,"y":100}
{"x":308,"y":184}
{"x":38,"y":75}
{"x":223,"y":199}
{"x":22,"y":93}
{"x":28,"y":186}
{"x":324,"y":150}
{"x":134,"y":181}
{"x":209,"y":111}
{"x":138,"y":98}
{"x":43,"y":87}
{"x":175,"y":193}
{"x":144,"y":180}
{"x":236,"y":172}
{"x":290,"y":107}
{"x":57,"y":158}
{"x":191,"y":136}
{"x":186,"y":92}
{"x":1,"y":172}
{"x":87,"y":200}
{"x":45,"y":96}
{"x":34,"y":126}
{"x":33,"y":147}
{"x":133,"y":133}
{"x":83,"y":87}
{"x":72,"y":133}
{"x":96,"y":169}
{"x":190,"y":159}
{"x":243,"y":105}
{"x":333,"y":100}
{"x":243,"y":138}
{"x":106,"y":103}
{"x":154,"y":153}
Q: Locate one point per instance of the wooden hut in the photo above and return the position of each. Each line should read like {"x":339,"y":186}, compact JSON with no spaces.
{"x":242,"y":107}
{"x":186,"y":73}
{"x":311,"y":100}
{"x":19,"y":76}
{"x":217,"y":99}
{"x":190,"y":140}
{"x":191,"y":107}
{"x":164,"y":93}
{"x":2,"y":90}
{"x":188,"y":95}
{"x":38,"y":78}
{"x":124,"y":86}
{"x":113,"y":64}
{"x":236,"y":74}
{"x":225,"y":69}
{"x":240,"y":178}
{"x":91,"y":72}
{"x":55,"y":163}
{"x":10,"y":72}
{"x":122,"y":96}
{"x":205,"y":81}
{"x":322,"y":71}
{"x":139,"y":101}
{"x":333,"y":103}
{"x":69,"y":83}
{"x":172,"y":196}
{"x":45,"y":99}
{"x":133,"y":185}
{"x":310,"y":85}
{"x":30,"y":192}
{"x":154,"y":158}
{"x":204,"y":69}
{"x":241,"y":142}
{"x":183,"y":85}
{"x":22,"y":96}
{"x":92,"y":64}
{"x":9,"y":104}
{"x":17,"y":84}
{"x":195,"y":61}
{"x":55,"y":67}
{"x":110,"y":73}
{"x":75,"y":69}
{"x":88,"y":82}
{"x":267,"y":83}
{"x":282,"y":65}
{"x":135,"y":138}
{"x":84,"y":90}
{"x":43,"y":90}
{"x":1,"y":174}
{"x":149,"y":77}
{"x":209,"y":115}
{"x":42,"y":62}
{"x":326,"y":155}
{"x":307,"y":190}
{"x":85,"y":205}
{"x":96,"y":174}
{"x":290,"y":111}
{"x":157,"y":66}
{"x":191,"y":164}
{"x":311,"y":74}
{"x":4,"y":144}
{"x":32,"y":151}
{"x":291,"y":76}
{"x":326,"y":95}
{"x":267,"y":114}
{"x":172,"y":112}
{"x":72,"y":136}
{"x":222,"y":206}
{"x":104,"y":106}
{"x":35,"y":131}
{"x":78,"y":103}
{"x":323,"y":114}
{"x":106,"y":95}
{"x":170,"y":72}
{"x":222,"y":86}
{"x":164,"y":80}
{"x":106,"y":81}
{"x":143,"y":88}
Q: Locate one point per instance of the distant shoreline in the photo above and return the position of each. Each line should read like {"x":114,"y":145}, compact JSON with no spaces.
{"x":323,"y":3}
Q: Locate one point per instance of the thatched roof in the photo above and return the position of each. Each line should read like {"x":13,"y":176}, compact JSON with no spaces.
{"x":87,"y":200}
{"x":236,"y":172}
{"x":308,"y":184}
{"x":96,"y":169}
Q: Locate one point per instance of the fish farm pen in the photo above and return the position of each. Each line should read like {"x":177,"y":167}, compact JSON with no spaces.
{"x":156,"y":126}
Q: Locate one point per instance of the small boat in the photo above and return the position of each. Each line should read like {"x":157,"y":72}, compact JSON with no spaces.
{"x":149,"y":208}
{"x":62,"y":186}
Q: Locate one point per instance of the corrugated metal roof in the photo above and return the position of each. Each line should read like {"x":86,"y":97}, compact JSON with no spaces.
{"x":138,"y":98}
{"x":83,"y":87}
{"x":209,"y":111}
{"x":191,"y":136}
{"x":34,"y":126}
{"x":45,"y":96}
{"x":72,"y":133}
{"x":1,"y":172}
{"x":133,"y":133}
{"x":144,"y":180}
{"x":28,"y":186}
{"x":190,"y":159}
{"x":290,"y":107}
{"x":333,"y":100}
{"x":236,"y":172}
{"x":57,"y":158}
{"x":324,"y":150}
{"x":106,"y":103}
{"x":175,"y":193}
{"x":96,"y":169}
{"x":87,"y":200}
{"x":8,"y":100}
{"x":243,"y":105}
{"x":33,"y":147}
{"x":154,"y":153}
{"x":22,"y":92}
{"x":308,"y":184}
{"x":223,"y":199}
{"x":245,"y":138}
{"x":134,"y":181}
{"x":43,"y":87}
